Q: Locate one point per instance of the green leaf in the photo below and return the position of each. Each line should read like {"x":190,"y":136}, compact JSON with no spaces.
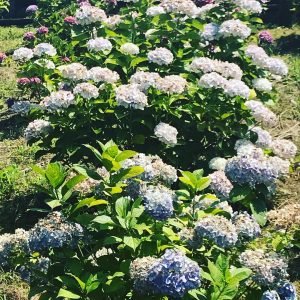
{"x":125,"y":155}
{"x":53,"y":203}
{"x":121,"y":206}
{"x":137,"y":61}
{"x":79,"y":281}
{"x":131,"y":242}
{"x":259,"y":211}
{"x":86,"y":172}
{"x":241,"y":193}
{"x":55,"y":174}
{"x":127,"y":173}
{"x":215,"y":273}
{"x":67,"y":294}
{"x":38,"y":170}
{"x":95,"y":151}
{"x":203,"y":183}
{"x":112,"y":151}
{"x":239,"y":274}
{"x":71,"y":183}
{"x":105,"y":220}
{"x":89,"y":202}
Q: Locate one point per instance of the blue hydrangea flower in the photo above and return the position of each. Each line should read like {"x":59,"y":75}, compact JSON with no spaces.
{"x":158,"y":201}
{"x":217,"y":229}
{"x":174,"y":274}
{"x":287,"y":292}
{"x":54,"y":232}
{"x":270,"y":295}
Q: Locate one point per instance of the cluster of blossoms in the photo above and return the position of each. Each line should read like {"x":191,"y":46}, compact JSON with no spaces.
{"x":217,"y":229}
{"x":130,"y":96}
{"x":130,"y":49}
{"x":24,"y":81}
{"x":185,"y":7}
{"x":54,"y":232}
{"x":172,"y":84}
{"x":217,"y":163}
{"x":265,"y":36}
{"x":268,"y":269}
{"x":252,"y":6}
{"x":10,"y":243}
{"x":98,"y":74}
{"x":58,"y":100}
{"x":208,"y":65}
{"x":29,"y":36}
{"x":74,"y":71}
{"x":144,"y":80}
{"x":285,"y":217}
{"x":231,"y":87}
{"x":44,"y":48}
{"x":260,"y":58}
{"x":21,"y":107}
{"x":158,"y":202}
{"x":22,"y":54}
{"x":161,"y":56}
{"x":261,"y":113}
{"x":86,"y":90}
{"x":99,"y":44}
{"x":36,"y":129}
{"x":262,"y":85}
{"x":286,"y":291}
{"x":264,"y":138}
{"x":252,"y":167}
{"x":173,"y":274}
{"x":246,"y":226}
{"x":166,"y":134}
{"x":88,"y":14}
{"x":220,"y":184}
{"x":154,"y":168}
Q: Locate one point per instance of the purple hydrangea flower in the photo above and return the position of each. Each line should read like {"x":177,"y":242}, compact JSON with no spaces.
{"x":70,"y":20}
{"x":32,"y":9}
{"x":42,"y":30}
{"x":29,"y":36}
{"x":174,"y":274}
{"x":23,"y":81}
{"x":265,"y":36}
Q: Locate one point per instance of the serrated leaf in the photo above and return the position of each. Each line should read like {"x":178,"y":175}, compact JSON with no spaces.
{"x":131,"y":242}
{"x":259,"y":211}
{"x":67,"y":294}
{"x":125,"y":155}
{"x":105,"y":220}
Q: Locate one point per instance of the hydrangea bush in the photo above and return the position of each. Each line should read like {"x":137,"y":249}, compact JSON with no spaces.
{"x":123,"y":73}
{"x":106,"y":243}
{"x":183,"y":84}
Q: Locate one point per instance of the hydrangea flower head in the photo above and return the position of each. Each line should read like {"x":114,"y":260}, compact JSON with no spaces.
{"x":174,"y":274}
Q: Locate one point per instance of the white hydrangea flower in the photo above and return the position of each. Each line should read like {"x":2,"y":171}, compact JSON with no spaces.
{"x":58,"y":100}
{"x":113,"y":21}
{"x":264,"y":138}
{"x":207,"y":65}
{"x":36,"y":128}
{"x":236,"y":87}
{"x":185,"y":7}
{"x":161,"y":56}
{"x":74,"y":71}
{"x":87,"y":14}
{"x":212,"y":80}
{"x":261,"y":113}
{"x":257,"y":54}
{"x":144,"y":80}
{"x":210,"y":32}
{"x":23,"y":54}
{"x":86,"y":90}
{"x":245,"y":147}
{"x":45,"y":63}
{"x":44,"y":48}
{"x":130,"y":48}
{"x":166,"y":133}
{"x":204,"y":10}
{"x":155,"y":10}
{"x":262,"y":84}
{"x":218,"y":163}
{"x":284,"y":148}
{"x":235,"y":28}
{"x":98,"y":74}
{"x":99,"y":44}
{"x":252,"y":6}
{"x":172,"y":84}
{"x":130,"y":96}
{"x":277,"y":66}
{"x":150,"y":34}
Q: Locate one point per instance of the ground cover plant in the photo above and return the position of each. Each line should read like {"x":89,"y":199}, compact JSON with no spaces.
{"x":126,"y":112}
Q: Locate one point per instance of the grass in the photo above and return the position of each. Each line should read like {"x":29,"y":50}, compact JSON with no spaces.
{"x":12,"y":287}
{"x":10,"y":39}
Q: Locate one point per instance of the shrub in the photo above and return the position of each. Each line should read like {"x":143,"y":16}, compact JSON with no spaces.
{"x":111,"y":245}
